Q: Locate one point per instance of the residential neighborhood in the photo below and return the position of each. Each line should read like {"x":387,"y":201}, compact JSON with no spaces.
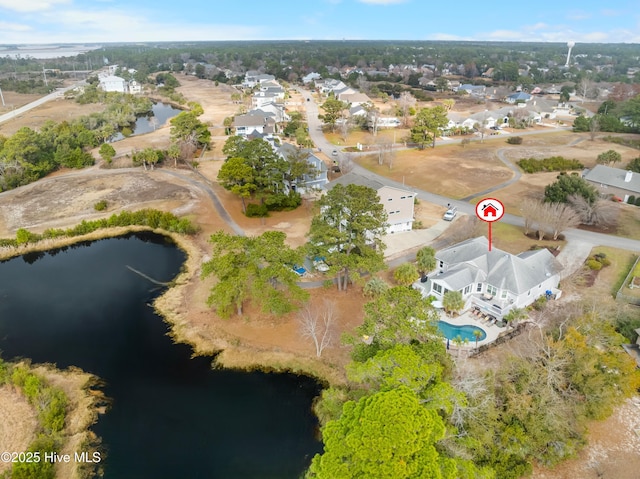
{"x":442,"y":235}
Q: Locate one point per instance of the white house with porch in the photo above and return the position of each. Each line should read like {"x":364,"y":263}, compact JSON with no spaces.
{"x":493,"y":281}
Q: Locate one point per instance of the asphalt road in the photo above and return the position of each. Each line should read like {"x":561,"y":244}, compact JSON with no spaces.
{"x":595,"y":239}
{"x":59,"y":93}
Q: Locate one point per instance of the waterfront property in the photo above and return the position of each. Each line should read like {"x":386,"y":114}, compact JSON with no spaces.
{"x":494,"y":282}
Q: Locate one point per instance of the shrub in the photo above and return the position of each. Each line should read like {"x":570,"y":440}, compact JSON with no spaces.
{"x":256,"y":211}
{"x":514,"y":140}
{"x":553,"y":163}
{"x":631,"y":200}
{"x":100,"y":205}
{"x":375,"y":287}
{"x":539,"y":303}
{"x":593,"y":264}
{"x":638,"y":201}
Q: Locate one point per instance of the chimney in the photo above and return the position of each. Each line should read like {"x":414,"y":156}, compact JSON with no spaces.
{"x":628,"y":176}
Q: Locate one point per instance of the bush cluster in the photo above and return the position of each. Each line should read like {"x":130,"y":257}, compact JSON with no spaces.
{"x":256,"y":211}
{"x":597,"y":262}
{"x":514,"y":140}
{"x":100,"y":205}
{"x":147,"y":217}
{"x":553,"y":163}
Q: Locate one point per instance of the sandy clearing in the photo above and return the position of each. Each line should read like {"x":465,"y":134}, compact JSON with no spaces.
{"x":18,"y":425}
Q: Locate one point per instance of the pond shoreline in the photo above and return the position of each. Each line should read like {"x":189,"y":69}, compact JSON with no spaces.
{"x":178,"y":306}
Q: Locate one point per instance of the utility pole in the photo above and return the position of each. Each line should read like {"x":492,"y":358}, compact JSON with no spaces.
{"x":2,"y":96}
{"x":44,"y":74}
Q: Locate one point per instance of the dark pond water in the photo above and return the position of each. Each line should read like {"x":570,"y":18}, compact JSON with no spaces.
{"x":160,"y":114}
{"x":172,"y":416}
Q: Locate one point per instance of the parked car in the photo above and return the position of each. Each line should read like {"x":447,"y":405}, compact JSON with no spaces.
{"x":450,"y":214}
{"x":320,"y":265}
{"x":334,"y":153}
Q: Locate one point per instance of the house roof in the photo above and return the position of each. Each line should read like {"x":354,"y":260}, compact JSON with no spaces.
{"x":352,"y":178}
{"x":355,"y":97}
{"x":606,"y":175}
{"x":252,"y":119}
{"x":520,"y":96}
{"x":286,"y":149}
{"x":498,"y":268}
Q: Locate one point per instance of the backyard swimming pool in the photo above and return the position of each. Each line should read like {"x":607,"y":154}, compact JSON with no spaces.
{"x":465,"y":332}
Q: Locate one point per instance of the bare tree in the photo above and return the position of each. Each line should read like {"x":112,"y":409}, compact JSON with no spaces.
{"x":530,"y":209}
{"x":561,"y":216}
{"x":585,"y":88}
{"x":318,"y":324}
{"x":405,"y":102}
{"x":345,"y":163}
{"x":601,"y":212}
{"x":594,"y":127}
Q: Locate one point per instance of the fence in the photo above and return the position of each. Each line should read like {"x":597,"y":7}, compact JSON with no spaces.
{"x":620,"y":296}
{"x":519,"y":329}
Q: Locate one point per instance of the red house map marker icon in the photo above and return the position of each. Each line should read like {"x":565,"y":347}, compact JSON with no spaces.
{"x":489,"y":210}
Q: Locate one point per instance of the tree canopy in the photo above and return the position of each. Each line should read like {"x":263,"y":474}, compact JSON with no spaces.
{"x":386,"y":435}
{"x":333,"y":109}
{"x":348,"y":231}
{"x":567,"y":185}
{"x":257,"y":268}
{"x":427,"y":123}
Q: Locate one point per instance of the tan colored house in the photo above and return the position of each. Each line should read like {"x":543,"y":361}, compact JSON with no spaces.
{"x":398,"y":203}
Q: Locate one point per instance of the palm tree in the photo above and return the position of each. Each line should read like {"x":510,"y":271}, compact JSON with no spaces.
{"x":477,"y":334}
{"x":515,"y":314}
{"x":452,"y":302}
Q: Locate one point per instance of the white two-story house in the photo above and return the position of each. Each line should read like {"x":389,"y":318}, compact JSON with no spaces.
{"x":494,"y":281}
{"x":398,"y":203}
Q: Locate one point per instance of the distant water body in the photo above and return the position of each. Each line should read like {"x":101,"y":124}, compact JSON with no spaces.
{"x":43,"y":52}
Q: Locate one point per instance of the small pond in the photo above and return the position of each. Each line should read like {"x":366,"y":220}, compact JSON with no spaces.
{"x":160,"y":114}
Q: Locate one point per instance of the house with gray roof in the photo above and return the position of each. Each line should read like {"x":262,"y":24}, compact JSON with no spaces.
{"x":398,"y":203}
{"x":614,"y":181}
{"x":312,"y":182}
{"x":255,"y":121}
{"x":518,"y":97}
{"x":493,"y":281}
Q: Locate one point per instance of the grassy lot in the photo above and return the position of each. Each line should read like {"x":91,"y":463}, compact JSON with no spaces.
{"x":629,"y":222}
{"x":611,"y":277}
{"x":449,"y":170}
{"x":510,"y":238}
{"x":366,"y":138}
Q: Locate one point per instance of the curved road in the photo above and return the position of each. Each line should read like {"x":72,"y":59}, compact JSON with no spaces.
{"x":572,"y":235}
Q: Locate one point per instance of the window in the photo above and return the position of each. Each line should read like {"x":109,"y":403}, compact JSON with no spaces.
{"x":437,"y":288}
{"x":467,"y":290}
{"x":403,"y":197}
{"x":479,"y":288}
{"x":389,"y":199}
{"x":503,"y":295}
{"x":441,"y":264}
{"x":492,"y":290}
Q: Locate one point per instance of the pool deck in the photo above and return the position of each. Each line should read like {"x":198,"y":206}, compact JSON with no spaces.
{"x":467,"y":318}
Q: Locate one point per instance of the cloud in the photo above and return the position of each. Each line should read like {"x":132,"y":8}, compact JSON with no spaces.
{"x":382,"y":2}
{"x":24,"y":6}
{"x":577,"y":15}
{"x":13,"y":27}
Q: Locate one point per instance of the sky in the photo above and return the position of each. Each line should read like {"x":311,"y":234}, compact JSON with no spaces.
{"x":102,"y":21}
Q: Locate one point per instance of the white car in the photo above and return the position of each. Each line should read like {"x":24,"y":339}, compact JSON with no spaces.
{"x":450,"y":214}
{"x":320,"y":265}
